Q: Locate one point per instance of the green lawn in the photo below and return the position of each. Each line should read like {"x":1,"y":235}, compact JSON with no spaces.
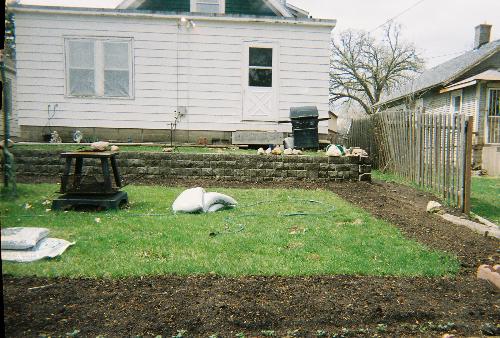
{"x":485,"y":194}
{"x":271,"y":232}
{"x":151,"y":148}
{"x":485,"y":197}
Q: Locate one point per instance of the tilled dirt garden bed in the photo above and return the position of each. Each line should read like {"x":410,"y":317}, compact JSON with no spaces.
{"x":342,"y":305}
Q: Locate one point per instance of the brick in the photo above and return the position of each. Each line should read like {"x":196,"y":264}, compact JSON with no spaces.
{"x":207,"y":172}
{"x":312,"y":174}
{"x":334,"y":174}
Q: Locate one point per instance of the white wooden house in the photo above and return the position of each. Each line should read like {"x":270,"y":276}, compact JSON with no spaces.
{"x":467,"y":84}
{"x":214,"y":67}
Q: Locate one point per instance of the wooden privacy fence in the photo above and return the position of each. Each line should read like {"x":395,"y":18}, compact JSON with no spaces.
{"x":432,"y":150}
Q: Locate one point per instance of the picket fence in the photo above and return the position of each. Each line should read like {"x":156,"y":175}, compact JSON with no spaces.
{"x":431,"y":150}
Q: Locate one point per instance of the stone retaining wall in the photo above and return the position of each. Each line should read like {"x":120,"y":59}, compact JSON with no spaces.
{"x":161,"y":166}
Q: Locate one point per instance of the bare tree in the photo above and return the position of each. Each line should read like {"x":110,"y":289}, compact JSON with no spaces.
{"x":362,"y":68}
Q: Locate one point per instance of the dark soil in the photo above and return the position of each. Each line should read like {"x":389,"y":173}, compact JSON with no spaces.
{"x":298,"y":306}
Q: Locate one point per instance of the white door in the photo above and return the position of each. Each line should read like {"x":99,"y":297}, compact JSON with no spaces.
{"x":260,"y":81}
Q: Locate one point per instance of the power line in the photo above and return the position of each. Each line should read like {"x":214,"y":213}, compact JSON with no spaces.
{"x":403,"y":12}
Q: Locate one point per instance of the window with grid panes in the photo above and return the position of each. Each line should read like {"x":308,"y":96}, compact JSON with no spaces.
{"x":494,"y":103}
{"x":99,"y":67}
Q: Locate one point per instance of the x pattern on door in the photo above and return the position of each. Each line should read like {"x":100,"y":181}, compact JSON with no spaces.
{"x":259,"y":104}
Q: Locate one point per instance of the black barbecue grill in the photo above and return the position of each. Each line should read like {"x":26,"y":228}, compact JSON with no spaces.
{"x":304,"y":122}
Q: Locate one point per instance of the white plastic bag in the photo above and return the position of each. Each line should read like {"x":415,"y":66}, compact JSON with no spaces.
{"x":216,"y":207}
{"x":213,"y":198}
{"x":190,"y":200}
{"x":333,"y":150}
{"x":47,"y":247}
{"x":21,"y":238}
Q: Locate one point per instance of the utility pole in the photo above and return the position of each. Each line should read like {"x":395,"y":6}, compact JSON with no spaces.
{"x":8,"y":158}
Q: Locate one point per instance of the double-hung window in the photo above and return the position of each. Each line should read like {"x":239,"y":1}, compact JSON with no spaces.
{"x":493,"y":118}
{"x":494,"y":102}
{"x":208,"y":6}
{"x":260,"y":64}
{"x":99,"y":67}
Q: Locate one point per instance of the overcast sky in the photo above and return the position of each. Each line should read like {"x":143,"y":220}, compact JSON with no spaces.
{"x":441,"y":29}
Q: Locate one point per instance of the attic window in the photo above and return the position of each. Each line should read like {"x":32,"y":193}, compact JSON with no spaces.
{"x":208,"y":6}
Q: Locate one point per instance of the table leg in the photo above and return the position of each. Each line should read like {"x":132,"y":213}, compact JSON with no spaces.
{"x":116,"y":173}
{"x":105,"y":172}
{"x":77,"y":180}
{"x":67,"y":170}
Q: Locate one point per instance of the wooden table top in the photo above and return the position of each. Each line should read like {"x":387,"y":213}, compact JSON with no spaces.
{"x":90,"y":154}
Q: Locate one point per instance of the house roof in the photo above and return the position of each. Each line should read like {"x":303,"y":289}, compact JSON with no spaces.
{"x":330,"y":23}
{"x":276,"y":5}
{"x":488,"y":75}
{"x":444,"y":73}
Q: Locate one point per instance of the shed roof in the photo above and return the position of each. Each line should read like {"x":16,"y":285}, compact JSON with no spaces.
{"x":444,"y":73}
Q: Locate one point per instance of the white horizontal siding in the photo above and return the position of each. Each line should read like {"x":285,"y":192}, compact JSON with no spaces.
{"x":436,"y":103}
{"x":199,"y":68}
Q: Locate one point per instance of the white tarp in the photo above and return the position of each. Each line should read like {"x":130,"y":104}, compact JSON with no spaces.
{"x":190,"y":200}
{"x":45,"y":248}
{"x":197,"y":200}
{"x":213,"y":200}
{"x":20,"y":238}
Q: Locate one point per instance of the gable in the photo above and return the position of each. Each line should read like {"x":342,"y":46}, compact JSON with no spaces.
{"x":234,"y":7}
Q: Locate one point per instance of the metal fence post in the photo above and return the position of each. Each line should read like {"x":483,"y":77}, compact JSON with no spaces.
{"x":467,"y":165}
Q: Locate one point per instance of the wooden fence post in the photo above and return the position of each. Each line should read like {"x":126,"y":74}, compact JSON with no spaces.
{"x":467,"y":165}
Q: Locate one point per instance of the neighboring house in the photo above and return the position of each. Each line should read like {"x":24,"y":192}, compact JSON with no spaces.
{"x":209,"y":67}
{"x":9,"y":100}
{"x":468,"y":84}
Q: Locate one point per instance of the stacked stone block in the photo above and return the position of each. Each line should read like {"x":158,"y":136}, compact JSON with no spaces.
{"x":224,"y":167}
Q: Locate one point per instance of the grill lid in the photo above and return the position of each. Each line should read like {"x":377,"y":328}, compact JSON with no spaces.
{"x":303,"y":112}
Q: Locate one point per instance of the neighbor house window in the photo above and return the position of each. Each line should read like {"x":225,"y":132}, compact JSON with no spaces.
{"x":456,"y":102}
{"x":260,"y":63}
{"x":99,"y":67}
{"x":208,"y":6}
{"x":494,"y":102}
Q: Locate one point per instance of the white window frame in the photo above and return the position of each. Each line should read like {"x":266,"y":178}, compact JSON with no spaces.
{"x":261,"y":67}
{"x":487,"y":119}
{"x":222,"y":6}
{"x":453,"y":95}
{"x":99,"y":66}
